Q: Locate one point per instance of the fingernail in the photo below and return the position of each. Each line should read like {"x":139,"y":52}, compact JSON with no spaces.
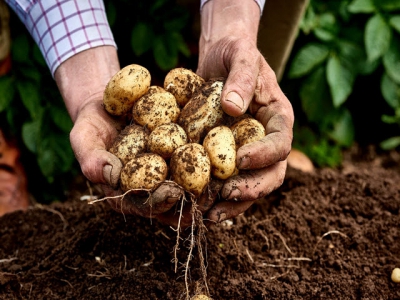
{"x":235,"y":99}
{"x":245,"y":162}
{"x":108,"y":176}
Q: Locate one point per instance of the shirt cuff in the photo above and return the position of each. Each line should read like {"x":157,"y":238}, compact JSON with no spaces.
{"x":260,"y":3}
{"x":63,"y":28}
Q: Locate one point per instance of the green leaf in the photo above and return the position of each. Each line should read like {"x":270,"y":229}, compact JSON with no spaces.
{"x":343,"y":129}
{"x":31,"y":134}
{"x":314,"y":95}
{"x":111,"y":13}
{"x":377,"y":37}
{"x":354,"y":58}
{"x":7,"y":92}
{"x":394,"y":21}
{"x":61,"y":118}
{"x":388,"y":5}
{"x":141,"y":38}
{"x":361,"y":6}
{"x":340,"y":80}
{"x":390,"y":91}
{"x":165,"y":52}
{"x":390,"y":143}
{"x":391,"y":61}
{"x":309,"y":20}
{"x":308,"y":57}
{"x":30,"y":96}
{"x":327,"y":28}
{"x":38,"y":56}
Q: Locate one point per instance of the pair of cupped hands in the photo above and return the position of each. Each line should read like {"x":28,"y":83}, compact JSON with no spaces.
{"x":250,"y":87}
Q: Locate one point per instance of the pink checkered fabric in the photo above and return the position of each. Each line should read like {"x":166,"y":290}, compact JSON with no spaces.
{"x":62,"y":28}
{"x":260,"y":3}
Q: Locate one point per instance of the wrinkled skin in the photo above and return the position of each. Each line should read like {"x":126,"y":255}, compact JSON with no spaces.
{"x":228,"y":49}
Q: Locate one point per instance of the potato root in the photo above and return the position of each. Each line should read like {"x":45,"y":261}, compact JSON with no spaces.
{"x":182,"y":83}
{"x":124,"y":88}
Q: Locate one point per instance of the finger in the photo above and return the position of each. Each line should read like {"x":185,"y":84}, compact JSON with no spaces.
{"x":226,"y":210}
{"x":207,"y":199}
{"x":254,"y":184}
{"x":243,"y":61}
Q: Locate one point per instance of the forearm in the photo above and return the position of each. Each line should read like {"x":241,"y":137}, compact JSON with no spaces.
{"x":83,"y":77}
{"x":225,"y":18}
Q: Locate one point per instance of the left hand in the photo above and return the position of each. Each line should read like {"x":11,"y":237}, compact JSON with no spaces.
{"x":251,"y":85}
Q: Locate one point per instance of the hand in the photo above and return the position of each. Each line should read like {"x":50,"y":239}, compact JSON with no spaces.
{"x":228,"y":49}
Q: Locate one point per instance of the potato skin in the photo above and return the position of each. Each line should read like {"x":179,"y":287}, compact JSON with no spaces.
{"x":164,"y":139}
{"x":155,"y":109}
{"x":145,"y":171}
{"x":182,"y":83}
{"x":124,"y":88}
{"x":190,"y":168}
{"x":131,"y":141}
{"x":246,"y":131}
{"x":203,"y":112}
{"x":221,"y":148}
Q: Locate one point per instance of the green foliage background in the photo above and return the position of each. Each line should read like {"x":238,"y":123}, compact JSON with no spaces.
{"x":343,"y":78}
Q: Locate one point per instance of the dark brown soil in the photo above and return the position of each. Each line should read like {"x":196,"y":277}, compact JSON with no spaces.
{"x":333,"y":234}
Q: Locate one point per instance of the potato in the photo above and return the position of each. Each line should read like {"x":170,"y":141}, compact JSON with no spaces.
{"x":246,"y":131}
{"x":182,"y":83}
{"x":124,"y":88}
{"x":164,"y":139}
{"x":145,"y":171}
{"x":395,"y":275}
{"x":190,"y":168}
{"x":203,"y":112}
{"x":200,"y":297}
{"x":131,"y":141}
{"x":220,"y":146}
{"x":155,"y":109}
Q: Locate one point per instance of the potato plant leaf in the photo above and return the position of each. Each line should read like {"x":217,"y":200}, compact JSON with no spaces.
{"x":388,"y":5}
{"x":61,"y":118}
{"x":30,"y":96}
{"x":390,"y":91}
{"x":343,"y":129}
{"x":340,"y":80}
{"x":390,"y":143}
{"x":394,"y":21}
{"x":309,"y":56}
{"x":31,"y":134}
{"x":391,"y":60}
{"x":165,"y":52}
{"x":377,"y":37}
{"x":361,"y":6}
{"x":327,"y":28}
{"x":141,"y":38}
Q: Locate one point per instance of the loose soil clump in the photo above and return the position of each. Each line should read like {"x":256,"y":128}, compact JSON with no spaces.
{"x":331,"y":234}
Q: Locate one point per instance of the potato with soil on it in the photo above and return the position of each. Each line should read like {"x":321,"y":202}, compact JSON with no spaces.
{"x":124,"y":88}
{"x":144,"y":172}
{"x":131,"y":141}
{"x":164,"y":139}
{"x":155,"y":109}
{"x":220,"y":146}
{"x":203,"y":112}
{"x":246,"y":131}
{"x":182,"y":83}
{"x":190,"y":168}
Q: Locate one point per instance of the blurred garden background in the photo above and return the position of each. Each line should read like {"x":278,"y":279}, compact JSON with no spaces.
{"x":342,"y":78}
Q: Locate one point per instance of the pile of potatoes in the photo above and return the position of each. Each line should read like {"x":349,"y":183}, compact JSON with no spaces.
{"x":177,"y":132}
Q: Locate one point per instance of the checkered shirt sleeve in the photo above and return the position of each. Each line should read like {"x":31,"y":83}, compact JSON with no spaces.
{"x":260,"y":3}
{"x":62,"y":28}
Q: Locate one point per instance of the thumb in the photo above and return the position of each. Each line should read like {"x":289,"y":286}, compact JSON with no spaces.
{"x":240,"y":85}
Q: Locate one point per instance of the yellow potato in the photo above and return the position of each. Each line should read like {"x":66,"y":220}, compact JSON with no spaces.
{"x":124,"y":88}
{"x":203,"y":112}
{"x":200,"y":297}
{"x":182,"y":83}
{"x":131,"y":141}
{"x":190,"y":168}
{"x":246,"y":131}
{"x":164,"y":139}
{"x":145,"y":171}
{"x":155,"y":109}
{"x":220,"y":146}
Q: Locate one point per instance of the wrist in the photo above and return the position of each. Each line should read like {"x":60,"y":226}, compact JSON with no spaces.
{"x":82,"y":78}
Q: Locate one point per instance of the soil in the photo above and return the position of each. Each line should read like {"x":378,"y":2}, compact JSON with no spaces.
{"x":331,"y":234}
